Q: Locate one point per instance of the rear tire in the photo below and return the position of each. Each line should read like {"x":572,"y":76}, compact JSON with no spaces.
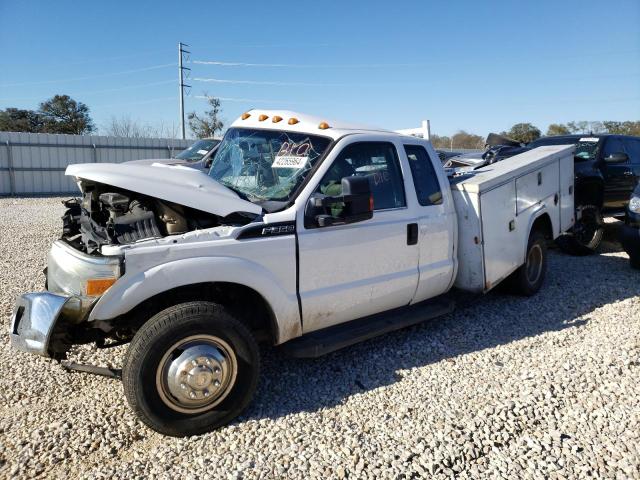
{"x":586,"y":234}
{"x":190,"y":369}
{"x":528,"y":279}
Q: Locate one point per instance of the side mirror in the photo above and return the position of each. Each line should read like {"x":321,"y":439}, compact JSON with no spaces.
{"x":355,"y":204}
{"x":618,"y":157}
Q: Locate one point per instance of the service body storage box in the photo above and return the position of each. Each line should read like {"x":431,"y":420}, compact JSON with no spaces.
{"x":496,"y":206}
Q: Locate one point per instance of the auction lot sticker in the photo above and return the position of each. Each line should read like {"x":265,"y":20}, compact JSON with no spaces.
{"x":292,"y":155}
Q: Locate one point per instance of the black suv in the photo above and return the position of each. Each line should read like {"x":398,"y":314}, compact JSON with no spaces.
{"x":607,"y":168}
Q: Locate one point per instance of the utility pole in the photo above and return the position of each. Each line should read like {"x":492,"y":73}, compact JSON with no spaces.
{"x":181,"y":84}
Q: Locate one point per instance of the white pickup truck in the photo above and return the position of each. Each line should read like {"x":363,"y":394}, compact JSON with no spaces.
{"x":306,"y":233}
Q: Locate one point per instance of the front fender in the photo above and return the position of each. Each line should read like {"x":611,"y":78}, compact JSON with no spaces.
{"x":131,"y":290}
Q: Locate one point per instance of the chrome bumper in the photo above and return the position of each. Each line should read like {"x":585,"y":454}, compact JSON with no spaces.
{"x":35,"y":317}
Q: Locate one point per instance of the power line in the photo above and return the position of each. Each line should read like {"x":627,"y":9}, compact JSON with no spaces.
{"x":90,"y":77}
{"x":294,"y":65}
{"x":292,"y":84}
{"x":254,"y":100}
{"x":106,"y":90}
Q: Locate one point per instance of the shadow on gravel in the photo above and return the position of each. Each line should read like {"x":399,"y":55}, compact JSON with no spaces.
{"x":575,"y":287}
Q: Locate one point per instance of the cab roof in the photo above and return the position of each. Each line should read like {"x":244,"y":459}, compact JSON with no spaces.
{"x":301,"y":122}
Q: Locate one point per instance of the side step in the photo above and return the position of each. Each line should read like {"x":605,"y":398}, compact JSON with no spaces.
{"x":327,"y":340}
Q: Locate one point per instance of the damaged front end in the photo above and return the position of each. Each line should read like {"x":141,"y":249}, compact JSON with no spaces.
{"x":105,"y":215}
{"x":89,"y":258}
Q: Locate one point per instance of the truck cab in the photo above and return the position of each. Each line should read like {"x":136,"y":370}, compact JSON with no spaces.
{"x":302,"y":229}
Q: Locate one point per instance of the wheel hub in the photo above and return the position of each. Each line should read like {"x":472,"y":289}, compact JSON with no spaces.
{"x":196,"y":373}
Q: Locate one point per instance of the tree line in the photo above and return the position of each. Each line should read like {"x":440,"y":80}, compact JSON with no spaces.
{"x":63,"y":114}
{"x":527,"y":132}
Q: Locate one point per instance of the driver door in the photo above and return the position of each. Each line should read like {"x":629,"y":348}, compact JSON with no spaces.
{"x":354,"y":270}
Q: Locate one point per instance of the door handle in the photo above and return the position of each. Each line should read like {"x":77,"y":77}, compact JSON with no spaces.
{"x":412,"y":234}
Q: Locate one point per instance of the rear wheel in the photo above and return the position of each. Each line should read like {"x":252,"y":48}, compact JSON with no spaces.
{"x":190,"y":369}
{"x":528,"y":279}
{"x":586,"y":235}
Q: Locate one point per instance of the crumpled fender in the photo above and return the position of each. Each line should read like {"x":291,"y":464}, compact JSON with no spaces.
{"x":132,"y":289}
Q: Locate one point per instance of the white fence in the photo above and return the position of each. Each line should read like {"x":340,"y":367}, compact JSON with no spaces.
{"x":34,"y":163}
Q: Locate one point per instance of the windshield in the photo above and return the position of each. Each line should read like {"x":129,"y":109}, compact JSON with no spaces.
{"x":266,"y":165}
{"x":586,"y":147}
{"x":198,"y":150}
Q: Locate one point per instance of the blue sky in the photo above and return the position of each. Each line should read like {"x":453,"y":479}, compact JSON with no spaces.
{"x":479,"y":66}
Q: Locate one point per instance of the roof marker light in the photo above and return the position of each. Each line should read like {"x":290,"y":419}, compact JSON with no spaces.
{"x":245,"y":115}
{"x":263,"y":117}
{"x":293,"y":121}
{"x":276,"y":119}
{"x":323,"y":126}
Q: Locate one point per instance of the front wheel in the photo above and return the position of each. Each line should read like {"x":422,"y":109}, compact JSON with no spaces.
{"x":528,"y":279}
{"x":586,"y":234}
{"x":190,"y":369}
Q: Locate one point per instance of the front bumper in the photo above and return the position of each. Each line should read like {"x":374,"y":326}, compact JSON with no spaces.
{"x":33,"y":322}
{"x":630,"y":240}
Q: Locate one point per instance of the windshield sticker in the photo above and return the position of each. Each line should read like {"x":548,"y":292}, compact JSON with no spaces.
{"x":203,"y":152}
{"x":589,"y":139}
{"x":292,"y":155}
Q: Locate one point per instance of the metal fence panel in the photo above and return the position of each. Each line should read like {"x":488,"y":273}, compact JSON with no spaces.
{"x":34,"y":163}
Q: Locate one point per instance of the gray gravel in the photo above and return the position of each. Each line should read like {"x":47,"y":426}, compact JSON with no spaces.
{"x":545,"y":387}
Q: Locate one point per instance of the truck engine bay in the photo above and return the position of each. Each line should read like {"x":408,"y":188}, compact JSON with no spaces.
{"x":107,"y":215}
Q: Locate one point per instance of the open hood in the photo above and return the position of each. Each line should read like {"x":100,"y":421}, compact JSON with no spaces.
{"x":177,"y":184}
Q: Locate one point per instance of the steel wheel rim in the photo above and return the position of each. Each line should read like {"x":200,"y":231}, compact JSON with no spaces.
{"x":534,"y":264}
{"x":196,"y":373}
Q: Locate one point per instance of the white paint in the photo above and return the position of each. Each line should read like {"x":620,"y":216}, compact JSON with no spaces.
{"x":345,"y":271}
{"x":182,"y":185}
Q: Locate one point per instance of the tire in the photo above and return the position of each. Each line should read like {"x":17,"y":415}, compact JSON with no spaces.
{"x":586,"y":234}
{"x":159,"y":374}
{"x":528,"y":279}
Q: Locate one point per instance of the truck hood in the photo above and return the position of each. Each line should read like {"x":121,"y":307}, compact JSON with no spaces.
{"x":177,"y":184}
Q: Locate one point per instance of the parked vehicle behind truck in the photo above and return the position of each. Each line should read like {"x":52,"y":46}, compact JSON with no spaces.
{"x":305,"y":233}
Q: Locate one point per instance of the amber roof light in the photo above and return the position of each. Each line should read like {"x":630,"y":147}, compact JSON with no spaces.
{"x":263,"y":117}
{"x":276,"y":119}
{"x":293,"y":121}
{"x":245,"y":115}
{"x":323,"y":126}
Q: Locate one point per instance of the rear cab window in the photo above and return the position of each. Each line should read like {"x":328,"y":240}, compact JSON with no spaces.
{"x":425,"y":179}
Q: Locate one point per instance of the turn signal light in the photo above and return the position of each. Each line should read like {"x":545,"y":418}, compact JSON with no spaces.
{"x":263,"y":117}
{"x":276,"y":119}
{"x":323,"y":126}
{"x":293,"y":121}
{"x":245,"y":115}
{"x":97,"y":286}
{"x":371,"y":203}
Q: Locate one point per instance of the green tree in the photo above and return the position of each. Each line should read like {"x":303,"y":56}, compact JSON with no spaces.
{"x":441,"y":142}
{"x":211,"y":123}
{"x":463,"y":139}
{"x":62,"y":114}
{"x":17,"y":120}
{"x":557,"y":129}
{"x":524,"y":132}
{"x":622,"y":128}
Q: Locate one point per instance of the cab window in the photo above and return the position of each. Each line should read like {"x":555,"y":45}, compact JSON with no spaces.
{"x":378,"y":161}
{"x":424,"y":176}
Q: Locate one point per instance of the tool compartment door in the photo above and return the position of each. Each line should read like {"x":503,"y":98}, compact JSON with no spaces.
{"x":503,"y":251}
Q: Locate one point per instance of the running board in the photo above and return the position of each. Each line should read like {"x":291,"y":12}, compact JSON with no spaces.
{"x":327,"y":340}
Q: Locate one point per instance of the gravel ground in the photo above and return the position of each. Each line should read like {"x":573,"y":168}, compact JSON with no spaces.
{"x":544,"y":387}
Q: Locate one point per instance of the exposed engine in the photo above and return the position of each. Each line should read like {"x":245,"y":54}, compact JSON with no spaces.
{"x":106,"y":215}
